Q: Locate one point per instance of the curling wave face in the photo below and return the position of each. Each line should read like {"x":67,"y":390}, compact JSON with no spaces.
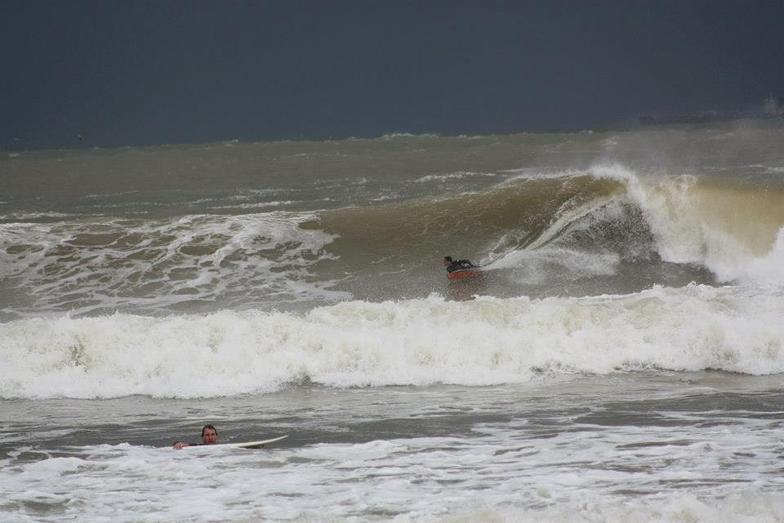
{"x":603,"y":230}
{"x":555,"y":234}
{"x":293,"y":225}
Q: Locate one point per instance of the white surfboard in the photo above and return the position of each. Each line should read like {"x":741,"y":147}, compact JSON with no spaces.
{"x":242,"y":445}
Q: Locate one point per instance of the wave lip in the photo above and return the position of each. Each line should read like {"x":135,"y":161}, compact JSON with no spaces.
{"x":416,"y":342}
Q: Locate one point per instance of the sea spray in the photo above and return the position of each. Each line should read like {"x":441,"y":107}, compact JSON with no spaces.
{"x":730,"y":229}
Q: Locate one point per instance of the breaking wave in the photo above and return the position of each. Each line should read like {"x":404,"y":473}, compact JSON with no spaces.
{"x":415,"y":342}
{"x":537,"y":235}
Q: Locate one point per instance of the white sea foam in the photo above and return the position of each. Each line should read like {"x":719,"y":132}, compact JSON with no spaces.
{"x":747,"y":507}
{"x":767,"y":269}
{"x":485,"y":341}
{"x":667,"y":209}
{"x":686,"y":229}
{"x":152,"y":265}
{"x":597,"y":473}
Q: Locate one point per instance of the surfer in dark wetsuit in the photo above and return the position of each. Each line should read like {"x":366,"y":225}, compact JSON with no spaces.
{"x":209,"y":436}
{"x":457,"y":265}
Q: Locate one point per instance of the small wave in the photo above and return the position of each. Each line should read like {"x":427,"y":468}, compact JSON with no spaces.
{"x":32,"y":216}
{"x":253,"y":206}
{"x":108,"y":195}
{"x":772,"y":169}
{"x":394,"y":136}
{"x":452,"y":176}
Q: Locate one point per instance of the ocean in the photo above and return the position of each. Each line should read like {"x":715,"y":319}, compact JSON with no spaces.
{"x":621,"y":359}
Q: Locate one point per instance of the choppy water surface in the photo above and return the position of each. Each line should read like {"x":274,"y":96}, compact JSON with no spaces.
{"x":621,"y":359}
{"x":650,"y":445}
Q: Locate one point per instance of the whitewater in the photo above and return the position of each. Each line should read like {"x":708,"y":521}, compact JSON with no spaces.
{"x":621,"y":359}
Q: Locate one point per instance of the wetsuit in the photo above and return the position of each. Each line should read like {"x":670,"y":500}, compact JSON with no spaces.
{"x":460,"y":265}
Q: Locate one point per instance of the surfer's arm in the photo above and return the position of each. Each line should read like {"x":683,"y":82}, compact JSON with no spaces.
{"x":179,"y":444}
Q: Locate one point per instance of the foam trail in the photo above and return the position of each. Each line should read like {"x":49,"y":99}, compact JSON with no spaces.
{"x":535,"y":265}
{"x":426,"y":341}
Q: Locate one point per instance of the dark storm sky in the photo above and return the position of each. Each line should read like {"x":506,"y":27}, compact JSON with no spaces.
{"x":138,"y":72}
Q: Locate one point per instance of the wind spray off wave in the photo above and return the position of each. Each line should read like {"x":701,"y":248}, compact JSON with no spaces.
{"x":734,"y":230}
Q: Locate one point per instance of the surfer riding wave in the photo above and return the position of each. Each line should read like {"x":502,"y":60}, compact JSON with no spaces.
{"x":459,"y":269}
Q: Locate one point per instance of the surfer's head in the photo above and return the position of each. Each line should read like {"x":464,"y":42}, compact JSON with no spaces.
{"x":209,"y":435}
{"x":447,"y":260}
